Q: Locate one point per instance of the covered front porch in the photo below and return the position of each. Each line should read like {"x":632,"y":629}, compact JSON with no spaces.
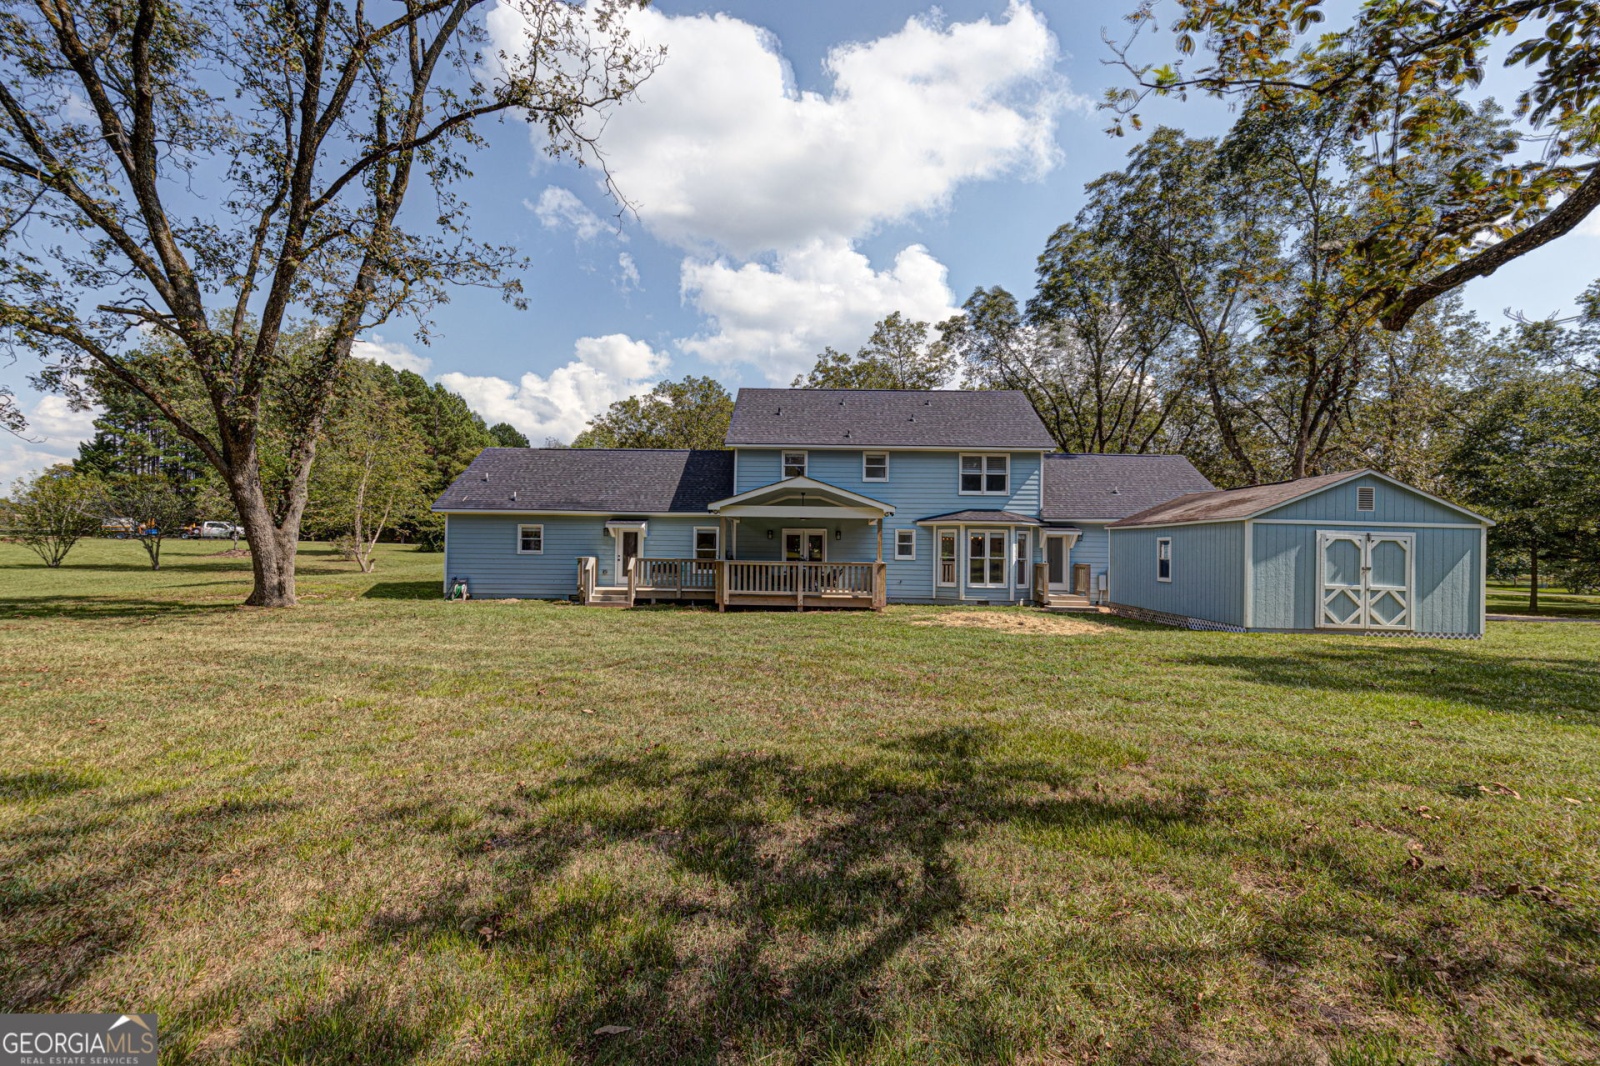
{"x":798,"y":543}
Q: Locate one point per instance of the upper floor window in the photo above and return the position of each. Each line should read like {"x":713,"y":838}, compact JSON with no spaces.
{"x":874,"y":466}
{"x":986,"y":474}
{"x":794,"y":464}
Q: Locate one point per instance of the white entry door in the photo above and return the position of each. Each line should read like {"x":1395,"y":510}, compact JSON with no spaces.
{"x":1365,"y":580}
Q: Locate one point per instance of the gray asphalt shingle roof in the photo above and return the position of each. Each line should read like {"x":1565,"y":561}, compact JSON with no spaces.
{"x":1224,"y":504}
{"x":1000,"y":518}
{"x":603,"y":480}
{"x":1082,"y":487}
{"x":887,"y":418}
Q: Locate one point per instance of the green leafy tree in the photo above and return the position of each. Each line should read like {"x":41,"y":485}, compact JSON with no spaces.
{"x":692,"y":413}
{"x":235,"y":166}
{"x":156,"y":507}
{"x":373,"y":466}
{"x":508,"y":436}
{"x":51,"y":511}
{"x":1448,"y":193}
{"x":900,"y":354}
{"x":1525,"y":457}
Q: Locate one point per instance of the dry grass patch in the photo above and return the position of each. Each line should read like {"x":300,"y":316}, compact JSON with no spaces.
{"x":1021,"y":621}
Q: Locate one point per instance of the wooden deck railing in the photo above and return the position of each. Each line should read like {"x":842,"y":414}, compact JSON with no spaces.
{"x":735,"y":581}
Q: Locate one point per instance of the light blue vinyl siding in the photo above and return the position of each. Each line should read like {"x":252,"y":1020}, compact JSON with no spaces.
{"x":1207,"y":571}
{"x":1448,"y":573}
{"x":1391,"y":504}
{"x":1094,"y":548}
{"x":920,"y":485}
{"x":483,"y":549}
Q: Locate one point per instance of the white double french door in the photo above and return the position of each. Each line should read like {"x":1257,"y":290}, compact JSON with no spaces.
{"x":1365,"y":580}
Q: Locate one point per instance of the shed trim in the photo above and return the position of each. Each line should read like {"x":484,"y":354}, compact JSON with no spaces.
{"x":1367,"y":525}
{"x":1396,"y":482}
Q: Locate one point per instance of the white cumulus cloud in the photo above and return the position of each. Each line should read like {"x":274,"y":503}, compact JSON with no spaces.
{"x":825,"y":293}
{"x":393,"y":353}
{"x":560,"y":208}
{"x":560,"y":404}
{"x":766,"y":186}
{"x":54,"y":432}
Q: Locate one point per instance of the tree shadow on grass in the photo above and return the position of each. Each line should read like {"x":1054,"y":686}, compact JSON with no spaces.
{"x":65,"y":916}
{"x":92,"y":608}
{"x":403,"y":590}
{"x":766,"y":898}
{"x":1539,"y":685}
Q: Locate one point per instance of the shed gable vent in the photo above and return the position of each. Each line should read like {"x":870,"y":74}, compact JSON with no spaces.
{"x":1366,"y":498}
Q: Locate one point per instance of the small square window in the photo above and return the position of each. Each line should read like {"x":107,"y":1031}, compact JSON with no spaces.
{"x":705,"y":542}
{"x":1366,"y":498}
{"x":1164,"y":559}
{"x":530,"y":540}
{"x":794,"y":464}
{"x":875,"y":466}
{"x":905,"y":544}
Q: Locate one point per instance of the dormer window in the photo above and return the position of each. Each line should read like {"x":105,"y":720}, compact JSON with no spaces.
{"x":794,"y":464}
{"x":985,"y":475}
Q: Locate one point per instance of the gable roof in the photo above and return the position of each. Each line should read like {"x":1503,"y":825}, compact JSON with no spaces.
{"x":1224,"y":505}
{"x":603,"y":480}
{"x":887,"y":418}
{"x":1085,"y":487}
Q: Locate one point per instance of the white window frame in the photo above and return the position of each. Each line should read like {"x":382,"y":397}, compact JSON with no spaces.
{"x":1022,"y":545}
{"x":1164,"y":544}
{"x":984,"y":458}
{"x":716,"y":542}
{"x":1004,"y":557}
{"x":1368,"y":495}
{"x":805,"y":532}
{"x":532,"y":525}
{"x":885,"y":476}
{"x":783,"y":464}
{"x":912,"y":533}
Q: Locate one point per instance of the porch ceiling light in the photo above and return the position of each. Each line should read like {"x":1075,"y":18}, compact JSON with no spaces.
{"x":838,"y":534}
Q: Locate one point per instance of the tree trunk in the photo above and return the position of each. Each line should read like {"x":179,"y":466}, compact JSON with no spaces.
{"x":272,"y":547}
{"x":1533,"y":576}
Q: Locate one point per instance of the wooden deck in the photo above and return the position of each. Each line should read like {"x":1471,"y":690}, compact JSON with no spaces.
{"x":739,"y":583}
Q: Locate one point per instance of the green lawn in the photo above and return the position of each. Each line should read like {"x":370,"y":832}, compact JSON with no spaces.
{"x":380,"y":828}
{"x":1513,"y":599}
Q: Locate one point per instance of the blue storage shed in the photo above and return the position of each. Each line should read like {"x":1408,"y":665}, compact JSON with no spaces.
{"x":1356,"y":551}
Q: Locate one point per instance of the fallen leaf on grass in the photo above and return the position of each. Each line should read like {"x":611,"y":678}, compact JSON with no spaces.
{"x":1495,"y":788}
{"x":613,"y":1030}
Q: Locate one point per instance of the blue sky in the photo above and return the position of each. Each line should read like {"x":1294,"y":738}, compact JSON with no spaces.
{"x":800,"y":170}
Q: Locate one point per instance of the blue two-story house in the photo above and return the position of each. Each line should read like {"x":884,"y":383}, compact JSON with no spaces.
{"x":823,"y":498}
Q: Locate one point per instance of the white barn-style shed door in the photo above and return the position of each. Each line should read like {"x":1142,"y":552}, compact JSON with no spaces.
{"x":1365,"y":580}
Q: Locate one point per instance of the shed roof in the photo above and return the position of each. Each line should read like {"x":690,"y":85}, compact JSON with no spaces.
{"x":1223,"y":505}
{"x":887,"y":418}
{"x":1085,"y":487}
{"x":604,"y":480}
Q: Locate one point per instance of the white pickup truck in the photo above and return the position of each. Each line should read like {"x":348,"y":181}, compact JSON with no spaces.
{"x":218,"y":531}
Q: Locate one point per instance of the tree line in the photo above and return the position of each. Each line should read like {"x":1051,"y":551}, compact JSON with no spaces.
{"x":1270,"y":302}
{"x":388,"y":445}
